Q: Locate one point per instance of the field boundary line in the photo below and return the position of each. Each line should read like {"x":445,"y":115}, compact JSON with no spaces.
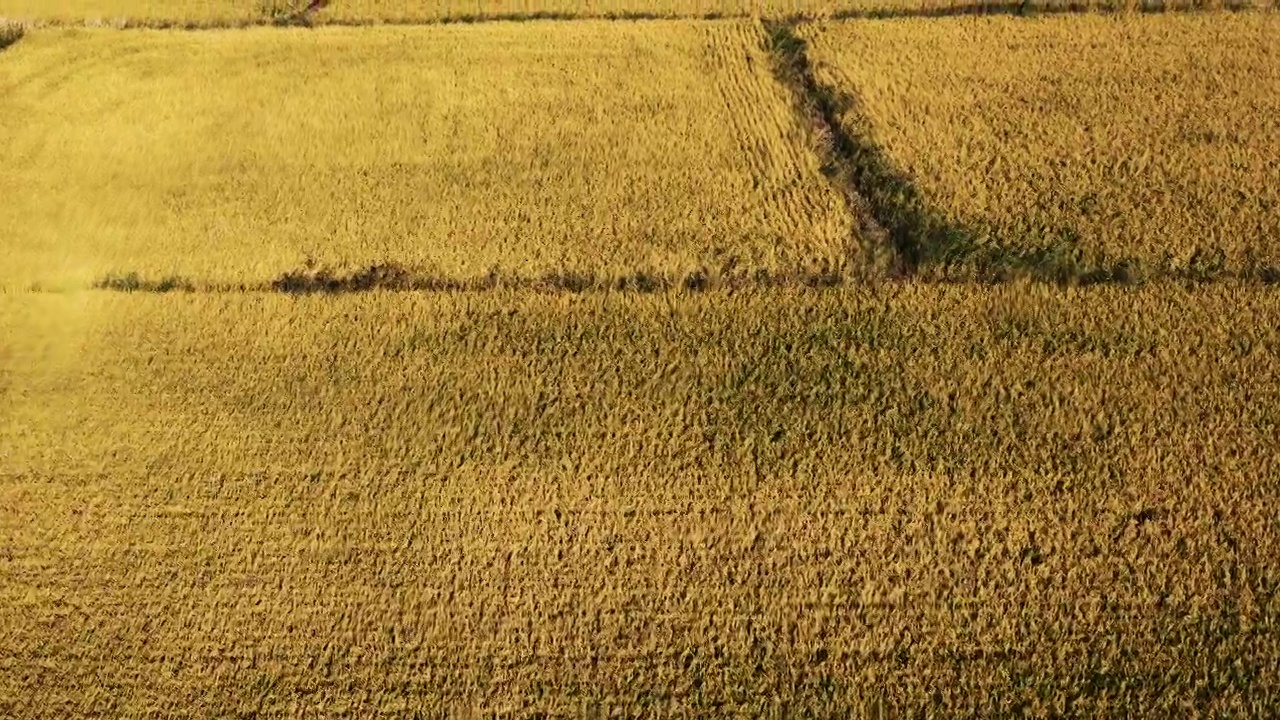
{"x":1030,"y":8}
{"x":873,"y":252}
{"x":310,"y":20}
{"x":396,"y":278}
{"x":311,"y":279}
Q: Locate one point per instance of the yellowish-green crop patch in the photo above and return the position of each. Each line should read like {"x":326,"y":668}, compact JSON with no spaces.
{"x":1125,"y":144}
{"x":233,"y":156}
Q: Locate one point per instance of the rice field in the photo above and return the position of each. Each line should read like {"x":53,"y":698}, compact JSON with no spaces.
{"x":603,"y":150}
{"x":244,"y":11}
{"x":440,"y":426}
{"x":240,"y":12}
{"x":943,"y":499}
{"x":1131,"y":145}
{"x":215,"y":13}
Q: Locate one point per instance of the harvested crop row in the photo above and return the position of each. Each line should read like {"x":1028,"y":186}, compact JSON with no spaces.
{"x":524,"y":149}
{"x":1118,"y":146}
{"x":927,"y":499}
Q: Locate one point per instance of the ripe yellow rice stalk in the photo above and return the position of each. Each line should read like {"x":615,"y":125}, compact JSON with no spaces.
{"x":938,"y":500}
{"x":232,"y":156}
{"x":205,"y":13}
{"x":1147,"y":141}
{"x":240,"y":11}
{"x":231,"y":12}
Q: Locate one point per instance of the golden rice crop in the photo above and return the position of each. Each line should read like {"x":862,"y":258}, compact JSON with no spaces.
{"x":232,"y":156}
{"x":938,"y":500}
{"x":1119,"y":143}
{"x":239,"y":12}
{"x":233,"y":12}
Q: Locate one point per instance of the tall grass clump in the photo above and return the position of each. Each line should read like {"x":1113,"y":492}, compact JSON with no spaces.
{"x":10,"y":33}
{"x":285,"y":12}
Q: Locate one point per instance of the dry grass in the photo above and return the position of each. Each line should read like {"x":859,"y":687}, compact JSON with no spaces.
{"x":1123,"y":145}
{"x":593,"y":148}
{"x":943,"y":499}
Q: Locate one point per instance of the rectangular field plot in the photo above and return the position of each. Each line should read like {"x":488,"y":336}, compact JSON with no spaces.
{"x":256,"y":504}
{"x":1077,"y":144}
{"x":213,"y":12}
{"x":194,"y":12}
{"x":206,"y":13}
{"x":588,"y":148}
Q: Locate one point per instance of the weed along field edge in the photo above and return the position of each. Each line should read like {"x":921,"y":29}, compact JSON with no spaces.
{"x":788,"y":363}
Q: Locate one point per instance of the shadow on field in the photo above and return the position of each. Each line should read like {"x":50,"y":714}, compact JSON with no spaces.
{"x":311,"y":279}
{"x":133,"y":282}
{"x":10,"y":33}
{"x":394,"y":277}
{"x":924,"y":241}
